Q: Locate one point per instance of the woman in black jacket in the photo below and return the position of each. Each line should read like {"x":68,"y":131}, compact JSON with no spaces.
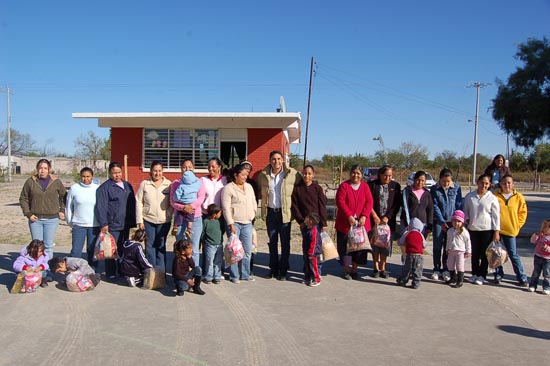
{"x":386,"y":195}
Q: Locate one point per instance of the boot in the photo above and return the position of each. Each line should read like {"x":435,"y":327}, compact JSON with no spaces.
{"x":460,"y":280}
{"x":452,"y":279}
{"x":197,"y":286}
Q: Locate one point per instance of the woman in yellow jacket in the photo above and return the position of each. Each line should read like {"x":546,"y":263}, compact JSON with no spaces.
{"x":513,"y":214}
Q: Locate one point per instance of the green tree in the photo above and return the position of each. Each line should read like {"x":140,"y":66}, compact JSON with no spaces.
{"x":522,"y":104}
{"x":414,"y":155}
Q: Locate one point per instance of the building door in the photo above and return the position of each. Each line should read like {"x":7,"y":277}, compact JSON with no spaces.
{"x":232,"y":152}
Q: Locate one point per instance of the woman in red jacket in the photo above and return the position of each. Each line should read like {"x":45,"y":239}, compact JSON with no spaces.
{"x":354,"y":205}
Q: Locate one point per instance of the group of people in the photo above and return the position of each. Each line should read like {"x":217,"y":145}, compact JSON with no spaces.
{"x":205,"y":209}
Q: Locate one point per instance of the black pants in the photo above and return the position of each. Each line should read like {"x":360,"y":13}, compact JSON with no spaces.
{"x":480,"y":241}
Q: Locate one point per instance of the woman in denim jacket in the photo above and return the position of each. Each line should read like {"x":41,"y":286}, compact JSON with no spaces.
{"x":447,"y":198}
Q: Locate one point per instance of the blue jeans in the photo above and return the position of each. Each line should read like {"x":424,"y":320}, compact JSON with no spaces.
{"x":510,"y":244}
{"x":155,"y":247}
{"x":195,"y":236}
{"x":277,"y":228}
{"x":81,"y":234}
{"x":44,"y":229}
{"x":182,"y":285}
{"x":540,"y":265}
{"x":439,"y":243}
{"x":244,"y":233}
{"x":213,"y":258}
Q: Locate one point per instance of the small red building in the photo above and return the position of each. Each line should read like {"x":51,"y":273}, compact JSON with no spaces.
{"x":139,"y":138}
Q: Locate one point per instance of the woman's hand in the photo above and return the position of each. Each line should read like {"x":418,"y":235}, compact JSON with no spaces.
{"x":141,"y":226}
{"x":62,"y":216}
{"x":232,"y":229}
{"x":467,"y":255}
{"x":496,"y":235}
{"x":33,"y":218}
{"x":105,"y":229}
{"x":444,"y":227}
{"x":362,"y":220}
{"x":385,"y":220}
{"x":352,"y":221}
{"x":188,"y":209}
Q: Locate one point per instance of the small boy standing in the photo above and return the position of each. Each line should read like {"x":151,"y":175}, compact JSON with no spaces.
{"x":72,"y":264}
{"x":312,"y":249}
{"x":414,"y":243}
{"x":212,"y":239}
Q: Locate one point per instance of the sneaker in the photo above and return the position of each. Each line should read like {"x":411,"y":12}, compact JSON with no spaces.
{"x":131,"y":281}
{"x":235,"y":280}
{"x":498,"y":279}
{"x":206,"y":281}
{"x":446,"y":276}
{"x":249,"y":279}
{"x":216,"y":281}
{"x":307,"y":282}
{"x":383,"y":274}
{"x":315,"y":284}
{"x":523,"y":284}
{"x":347,"y":276}
{"x":473,"y":279}
{"x":436,"y":275}
{"x":546,"y":292}
{"x":531,"y":289}
{"x":375,"y":273}
{"x":479,"y":281}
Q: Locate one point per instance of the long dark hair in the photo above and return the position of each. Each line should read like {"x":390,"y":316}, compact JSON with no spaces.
{"x":237,"y":169}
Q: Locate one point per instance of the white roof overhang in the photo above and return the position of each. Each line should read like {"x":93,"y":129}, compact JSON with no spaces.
{"x":289,"y":122}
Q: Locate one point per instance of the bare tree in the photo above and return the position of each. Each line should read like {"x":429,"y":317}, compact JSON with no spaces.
{"x":414,"y":154}
{"x":21,"y":143}
{"x":90,"y":147}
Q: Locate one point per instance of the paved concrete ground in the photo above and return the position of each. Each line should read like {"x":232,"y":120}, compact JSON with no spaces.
{"x":268,"y":322}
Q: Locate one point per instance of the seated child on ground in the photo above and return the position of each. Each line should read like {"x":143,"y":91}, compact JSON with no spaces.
{"x":32,"y":258}
{"x":133,"y":262}
{"x":72,"y":264}
{"x":184,"y":271}
{"x":414,"y":243}
{"x":186,"y":193}
{"x":311,"y":250}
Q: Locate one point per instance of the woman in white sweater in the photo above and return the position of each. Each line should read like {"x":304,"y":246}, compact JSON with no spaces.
{"x":482,"y":212}
{"x":80,"y":215}
{"x":239,"y":209}
{"x":154,"y":214}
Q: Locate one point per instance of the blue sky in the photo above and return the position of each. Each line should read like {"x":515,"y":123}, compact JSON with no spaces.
{"x":398,"y":69}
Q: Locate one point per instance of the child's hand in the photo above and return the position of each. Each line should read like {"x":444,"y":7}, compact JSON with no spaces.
{"x":190,"y":282}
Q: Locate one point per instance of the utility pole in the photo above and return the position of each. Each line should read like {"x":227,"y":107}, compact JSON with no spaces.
{"x":476,"y":85}
{"x":8,"y":133}
{"x":308,"y":107}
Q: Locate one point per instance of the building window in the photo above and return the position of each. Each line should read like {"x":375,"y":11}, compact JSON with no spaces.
{"x":171,"y":147}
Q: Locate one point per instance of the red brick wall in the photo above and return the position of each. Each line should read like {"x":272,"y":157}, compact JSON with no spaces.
{"x":262,"y":141}
{"x":129,"y":141}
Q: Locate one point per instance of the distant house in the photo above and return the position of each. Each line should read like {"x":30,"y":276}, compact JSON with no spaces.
{"x":140,"y":138}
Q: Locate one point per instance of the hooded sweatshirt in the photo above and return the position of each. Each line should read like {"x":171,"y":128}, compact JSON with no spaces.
{"x":25,"y":261}
{"x":412,"y":239}
{"x":513,"y":213}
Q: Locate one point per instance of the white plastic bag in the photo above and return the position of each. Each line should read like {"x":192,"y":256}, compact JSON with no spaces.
{"x":233,"y":251}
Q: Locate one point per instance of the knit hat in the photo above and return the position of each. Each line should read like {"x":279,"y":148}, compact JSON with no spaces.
{"x":458,"y":216}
